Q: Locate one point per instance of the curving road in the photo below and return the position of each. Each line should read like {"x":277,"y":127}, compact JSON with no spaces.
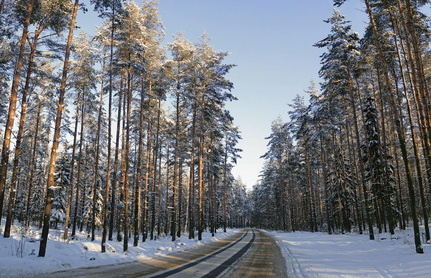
{"x":249,"y":253}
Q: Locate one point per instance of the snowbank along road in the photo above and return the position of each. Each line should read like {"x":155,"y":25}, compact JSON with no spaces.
{"x":249,"y":253}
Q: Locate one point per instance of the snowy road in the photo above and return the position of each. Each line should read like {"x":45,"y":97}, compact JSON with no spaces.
{"x":246,"y":254}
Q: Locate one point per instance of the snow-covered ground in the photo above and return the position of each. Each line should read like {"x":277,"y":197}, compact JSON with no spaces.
{"x":18,"y":254}
{"x":353,"y":255}
{"x":307,"y":254}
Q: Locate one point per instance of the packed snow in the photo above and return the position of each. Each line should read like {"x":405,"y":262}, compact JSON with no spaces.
{"x":307,"y":254}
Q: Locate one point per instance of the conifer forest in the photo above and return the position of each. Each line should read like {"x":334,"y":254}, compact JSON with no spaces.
{"x":129,"y":138}
{"x":109,"y":135}
{"x":356,"y":155}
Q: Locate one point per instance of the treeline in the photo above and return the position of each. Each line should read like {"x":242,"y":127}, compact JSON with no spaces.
{"x":358,"y":156}
{"x":116,"y":133}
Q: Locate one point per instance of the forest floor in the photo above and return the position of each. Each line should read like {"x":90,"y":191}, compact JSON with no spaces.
{"x":307,"y":254}
{"x":353,"y":255}
{"x":19,"y":253}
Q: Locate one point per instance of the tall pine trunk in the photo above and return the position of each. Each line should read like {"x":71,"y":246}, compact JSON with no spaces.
{"x":15,"y":171}
{"x":78,"y":173}
{"x":146,"y":198}
{"x":176,"y":162}
{"x":201,"y":186}
{"x":56,"y":139}
{"x":361,"y":164}
{"x":72,"y":171}
{"x":180,"y":198}
{"x":225,"y":182}
{"x":399,"y":130}
{"x":96,"y":166}
{"x":125,"y":162}
{"x":32,"y":165}
{"x":109,"y":161}
{"x":415,"y":145}
{"x":138,"y":180}
{"x":155,"y":175}
{"x":115,"y":169}
{"x":191,"y":206}
{"x":12,"y":106}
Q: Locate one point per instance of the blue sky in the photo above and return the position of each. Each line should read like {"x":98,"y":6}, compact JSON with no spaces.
{"x":271,"y":42}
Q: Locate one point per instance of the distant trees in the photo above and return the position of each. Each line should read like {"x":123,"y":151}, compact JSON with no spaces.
{"x":121,"y":139}
{"x":359,"y":158}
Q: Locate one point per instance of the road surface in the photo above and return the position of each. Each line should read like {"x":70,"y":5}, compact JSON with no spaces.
{"x":249,"y":253}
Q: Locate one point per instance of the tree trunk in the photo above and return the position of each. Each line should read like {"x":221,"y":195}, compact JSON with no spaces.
{"x":116,"y":158}
{"x":108,"y":166}
{"x":155,"y":173}
{"x":201,"y":187}
{"x":96,"y":165}
{"x":70,"y":193}
{"x":33,"y":164}
{"x":400,"y":133}
{"x":225,"y":186}
{"x":15,"y":171}
{"x":191,"y":212}
{"x":125,"y":162}
{"x":176,"y":162}
{"x":158,"y":211}
{"x":180,"y":198}
{"x":138,"y":179}
{"x":415,"y":148}
{"x":56,"y":139}
{"x":12,"y":106}
{"x":148,"y":163}
{"x":361,"y":164}
{"x":78,"y":174}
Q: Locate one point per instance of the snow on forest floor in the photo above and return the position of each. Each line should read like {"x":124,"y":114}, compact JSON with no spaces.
{"x":18,"y":254}
{"x":353,"y":255}
{"x":307,"y":254}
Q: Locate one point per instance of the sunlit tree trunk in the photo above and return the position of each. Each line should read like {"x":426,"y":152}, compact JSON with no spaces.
{"x":155,"y":171}
{"x":79,"y":167}
{"x":180,"y":198}
{"x":191,"y":198}
{"x":115,"y":168}
{"x":201,"y":186}
{"x":12,"y":105}
{"x":56,"y":139}
{"x":109,"y":160}
{"x":72,"y":172}
{"x":415,"y":145}
{"x":96,"y":166}
{"x":33,"y":164}
{"x":176,"y":162}
{"x":125,"y":162}
{"x":15,"y":171}
{"x":138,"y":179}
{"x":146,"y":197}
{"x":225,"y":181}
{"x":399,"y":130}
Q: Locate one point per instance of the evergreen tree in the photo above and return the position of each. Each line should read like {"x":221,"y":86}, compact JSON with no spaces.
{"x":378,"y":167}
{"x":62,"y":184}
{"x":56,"y":138}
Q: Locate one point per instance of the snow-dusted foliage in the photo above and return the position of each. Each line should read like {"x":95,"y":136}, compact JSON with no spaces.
{"x":358,"y":153}
{"x":139,"y":141}
{"x":379,"y":170}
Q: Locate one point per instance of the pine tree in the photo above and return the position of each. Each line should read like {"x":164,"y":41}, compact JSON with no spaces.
{"x":25,"y":18}
{"x":378,"y":167}
{"x":56,"y":138}
{"x":62,"y":184}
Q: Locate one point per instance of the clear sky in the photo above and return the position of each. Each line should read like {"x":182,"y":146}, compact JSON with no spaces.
{"x":271,"y":42}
